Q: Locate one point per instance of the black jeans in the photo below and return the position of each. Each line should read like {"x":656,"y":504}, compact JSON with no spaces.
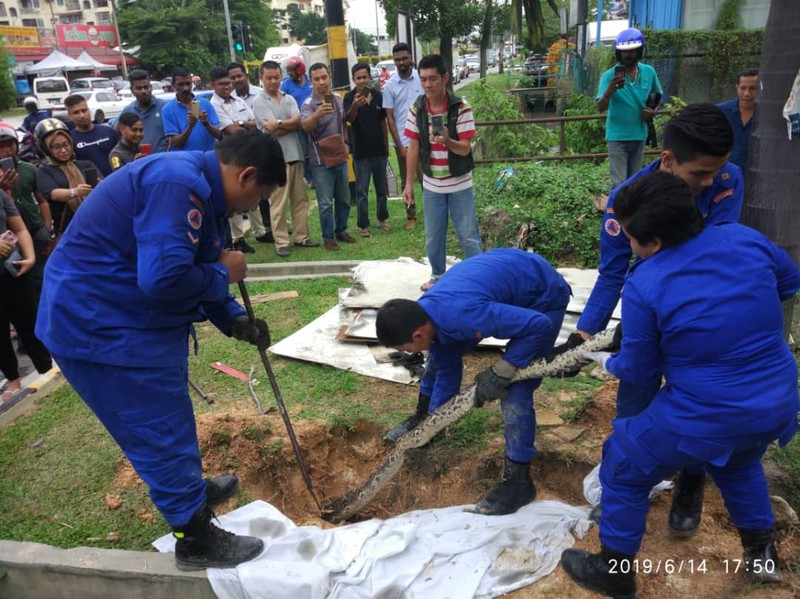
{"x":18,"y":307}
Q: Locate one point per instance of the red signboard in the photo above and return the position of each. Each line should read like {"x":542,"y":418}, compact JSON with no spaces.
{"x":75,"y":36}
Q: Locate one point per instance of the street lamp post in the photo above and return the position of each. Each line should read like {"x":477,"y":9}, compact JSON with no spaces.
{"x":123,"y":64}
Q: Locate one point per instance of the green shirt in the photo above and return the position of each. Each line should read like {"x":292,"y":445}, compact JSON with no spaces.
{"x":624,"y":121}
{"x":23,"y":190}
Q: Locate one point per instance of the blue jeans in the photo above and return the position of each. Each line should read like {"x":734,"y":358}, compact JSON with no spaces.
{"x":461,"y":208}
{"x":624,"y":160}
{"x":333,"y":199}
{"x":374,"y":167}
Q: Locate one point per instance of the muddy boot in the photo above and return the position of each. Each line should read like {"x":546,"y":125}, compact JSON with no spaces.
{"x":760,"y":555}
{"x":608,"y":572}
{"x":200,"y":544}
{"x":423,"y":402}
{"x":687,"y":505}
{"x":513,"y":491}
{"x":220,"y":489}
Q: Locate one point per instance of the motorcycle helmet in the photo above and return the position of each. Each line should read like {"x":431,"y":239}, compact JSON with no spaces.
{"x":45,"y":129}
{"x":629,"y":39}
{"x":296,"y":63}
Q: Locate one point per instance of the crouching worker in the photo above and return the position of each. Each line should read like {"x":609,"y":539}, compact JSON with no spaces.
{"x":715,"y":326}
{"x":141,"y":261}
{"x":505,"y":293}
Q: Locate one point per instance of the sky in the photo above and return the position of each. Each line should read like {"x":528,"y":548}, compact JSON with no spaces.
{"x":362,"y":16}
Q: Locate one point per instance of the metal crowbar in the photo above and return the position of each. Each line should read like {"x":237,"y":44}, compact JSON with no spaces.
{"x":278,"y":398}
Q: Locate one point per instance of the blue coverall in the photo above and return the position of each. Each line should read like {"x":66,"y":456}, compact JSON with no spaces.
{"x":707,"y":313}
{"x":722,"y":202}
{"x":135,"y":268}
{"x":507,"y":294}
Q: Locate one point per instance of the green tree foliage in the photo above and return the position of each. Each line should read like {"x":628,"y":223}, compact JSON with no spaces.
{"x":364,"y":43}
{"x":192,"y":33}
{"x":307,"y":26}
{"x":729,"y":16}
{"x":8,"y":92}
{"x":530,"y":12}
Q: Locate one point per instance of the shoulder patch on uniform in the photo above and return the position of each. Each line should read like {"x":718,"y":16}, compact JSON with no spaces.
{"x":612,"y":227}
{"x":609,"y":211}
{"x":725,"y":176}
{"x":195,"y":219}
{"x":721,"y":196}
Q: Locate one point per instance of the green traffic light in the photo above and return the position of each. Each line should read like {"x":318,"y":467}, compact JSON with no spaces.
{"x":238,"y":47}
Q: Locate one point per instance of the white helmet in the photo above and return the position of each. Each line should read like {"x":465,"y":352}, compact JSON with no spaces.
{"x":31,"y":100}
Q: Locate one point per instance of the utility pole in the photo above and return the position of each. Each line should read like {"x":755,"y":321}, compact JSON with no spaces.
{"x":123,"y":65}
{"x":228,"y":29}
{"x":337,"y":43}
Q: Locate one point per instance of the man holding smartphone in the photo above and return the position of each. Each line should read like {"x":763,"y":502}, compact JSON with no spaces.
{"x":369,"y":140}
{"x":623,"y":91}
{"x":189,"y":126}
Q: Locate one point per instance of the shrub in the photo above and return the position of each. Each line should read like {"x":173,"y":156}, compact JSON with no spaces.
{"x":584,"y":137}
{"x":555,"y":203}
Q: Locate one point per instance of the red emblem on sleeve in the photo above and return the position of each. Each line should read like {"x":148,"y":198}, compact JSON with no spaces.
{"x":195,"y":219}
{"x":612,"y":227}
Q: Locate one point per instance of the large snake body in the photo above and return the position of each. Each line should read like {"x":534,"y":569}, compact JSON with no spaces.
{"x":449,"y":413}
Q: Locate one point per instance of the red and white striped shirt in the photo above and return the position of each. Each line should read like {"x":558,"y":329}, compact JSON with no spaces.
{"x":441,"y":181}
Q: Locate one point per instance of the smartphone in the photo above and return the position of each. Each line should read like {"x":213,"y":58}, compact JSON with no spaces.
{"x":9,"y":263}
{"x":328,"y":98}
{"x":9,"y":236}
{"x":7,"y":164}
{"x":196,"y":109}
{"x":145,"y":149}
{"x":437,"y":124}
{"x":619,"y":71}
{"x":91,"y":176}
{"x":364,"y":90}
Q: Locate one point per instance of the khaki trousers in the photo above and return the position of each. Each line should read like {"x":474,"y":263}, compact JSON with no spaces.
{"x":295,"y":193}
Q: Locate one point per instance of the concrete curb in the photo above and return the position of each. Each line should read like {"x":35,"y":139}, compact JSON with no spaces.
{"x":37,"y":571}
{"x":300,"y":270}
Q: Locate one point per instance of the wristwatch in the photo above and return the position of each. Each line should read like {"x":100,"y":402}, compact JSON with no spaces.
{"x":280,"y":123}
{"x":240,"y":123}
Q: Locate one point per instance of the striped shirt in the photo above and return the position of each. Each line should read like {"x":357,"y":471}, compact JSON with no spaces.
{"x":441,"y":181}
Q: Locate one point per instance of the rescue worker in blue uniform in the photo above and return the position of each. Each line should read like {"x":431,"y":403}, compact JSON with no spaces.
{"x":704,"y":306}
{"x":697,"y":143}
{"x":504,"y":293}
{"x":140,"y":262}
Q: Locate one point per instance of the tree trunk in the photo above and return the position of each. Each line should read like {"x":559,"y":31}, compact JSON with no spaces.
{"x":446,"y":51}
{"x":486,"y":35}
{"x":772,"y":178}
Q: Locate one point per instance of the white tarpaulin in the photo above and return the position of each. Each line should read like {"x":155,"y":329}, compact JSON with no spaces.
{"x":57,"y":61}
{"x":440,"y":553}
{"x":96,"y":64}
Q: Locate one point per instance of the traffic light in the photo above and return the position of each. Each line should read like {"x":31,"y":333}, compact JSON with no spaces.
{"x":248,"y":45}
{"x":236,"y":35}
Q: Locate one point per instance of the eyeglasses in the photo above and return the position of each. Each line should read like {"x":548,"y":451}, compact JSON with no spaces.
{"x":59,"y":147}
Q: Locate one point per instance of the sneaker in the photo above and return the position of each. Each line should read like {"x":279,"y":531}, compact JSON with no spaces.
{"x":266,"y":238}
{"x":308,"y":243}
{"x":346,"y":237}
{"x":283,"y":251}
{"x":382,"y":224}
{"x":331,"y":245}
{"x":244,"y":247}
{"x":365,"y":233}
{"x":411,"y":223}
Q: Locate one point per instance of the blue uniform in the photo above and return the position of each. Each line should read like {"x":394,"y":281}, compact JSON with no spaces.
{"x":707,"y":313}
{"x":507,"y":294}
{"x":135,"y":268}
{"x":741,"y":132}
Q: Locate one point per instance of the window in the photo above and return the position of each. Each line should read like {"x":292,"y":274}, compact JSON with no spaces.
{"x":103,"y":17}
{"x":101,"y":3}
{"x":106,"y":97}
{"x":754,"y":14}
{"x":70,"y":19}
{"x":12,"y":12}
{"x":87,"y":5}
{"x":2,"y":9}
{"x":702,"y":14}
{"x":29,"y":22}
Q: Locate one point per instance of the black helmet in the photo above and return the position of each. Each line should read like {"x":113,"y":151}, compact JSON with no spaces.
{"x":45,"y":129}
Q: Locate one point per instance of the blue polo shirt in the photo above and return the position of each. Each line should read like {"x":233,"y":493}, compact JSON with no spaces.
{"x":152,"y":121}
{"x":138,"y":265}
{"x":174,"y":116}
{"x":624,"y":121}
{"x":298,"y":92}
{"x":741,"y":132}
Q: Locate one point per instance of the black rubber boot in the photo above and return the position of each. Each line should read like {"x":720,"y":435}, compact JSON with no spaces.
{"x":423,"y":403}
{"x":760,"y":555}
{"x":687,"y":505}
{"x":513,"y":491}
{"x":220,"y":489}
{"x":201,"y":544}
{"x":608,"y":572}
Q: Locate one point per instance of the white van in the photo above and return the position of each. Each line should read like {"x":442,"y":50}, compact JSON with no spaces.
{"x":609,"y":30}
{"x":50,"y":91}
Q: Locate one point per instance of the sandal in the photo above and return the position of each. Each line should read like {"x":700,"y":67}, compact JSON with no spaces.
{"x":429,"y":283}
{"x":7,"y":396}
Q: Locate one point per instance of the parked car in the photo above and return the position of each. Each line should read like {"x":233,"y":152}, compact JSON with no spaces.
{"x":104,"y":105}
{"x":50,"y":91}
{"x":92,"y":84}
{"x":124,"y":91}
{"x":473,"y":63}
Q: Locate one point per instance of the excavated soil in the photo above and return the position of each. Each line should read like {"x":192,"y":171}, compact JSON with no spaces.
{"x":258,"y":450}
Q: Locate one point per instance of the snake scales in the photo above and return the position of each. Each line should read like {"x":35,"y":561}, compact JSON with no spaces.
{"x":449,"y":413}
